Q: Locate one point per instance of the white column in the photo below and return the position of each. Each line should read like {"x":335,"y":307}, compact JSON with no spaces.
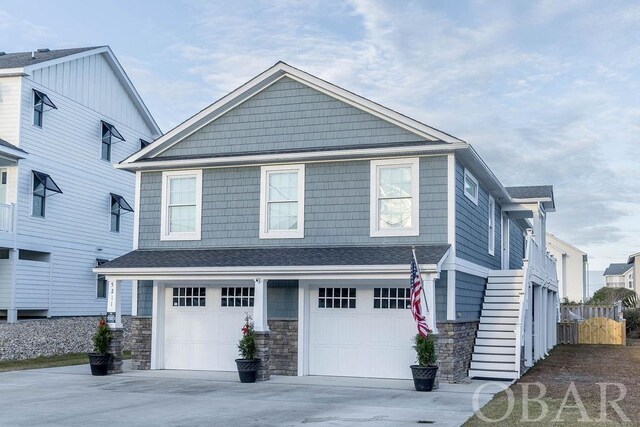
{"x":260,"y":306}
{"x":430,"y":292}
{"x":303,"y":327}
{"x":552,"y":310}
{"x":134,"y":297}
{"x":12,"y":313}
{"x":451,"y":295}
{"x":544,"y":321}
{"x":537,"y":322}
{"x":528,"y":330}
{"x":114,"y":303}
{"x":157,"y":326}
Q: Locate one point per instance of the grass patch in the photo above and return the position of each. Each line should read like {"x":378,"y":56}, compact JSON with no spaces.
{"x":49,"y":362}
{"x":585,"y":368}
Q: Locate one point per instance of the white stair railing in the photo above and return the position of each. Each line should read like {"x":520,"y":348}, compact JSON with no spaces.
{"x":530,"y":254}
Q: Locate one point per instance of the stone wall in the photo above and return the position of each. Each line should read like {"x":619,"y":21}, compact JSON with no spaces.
{"x":141,"y":343}
{"x":284,"y":347}
{"x":263,"y":353}
{"x":50,"y":337}
{"x":455,"y":348}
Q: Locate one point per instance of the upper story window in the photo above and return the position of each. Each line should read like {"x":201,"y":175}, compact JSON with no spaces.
{"x":110,"y":135}
{"x":40,"y":100}
{"x":181,"y":205}
{"x":471,"y":187}
{"x":143,"y":143}
{"x":492,"y":225}
{"x":282,"y":202}
{"x":101,"y":282}
{"x":43,"y":185}
{"x":118,"y":204}
{"x":394,"y":197}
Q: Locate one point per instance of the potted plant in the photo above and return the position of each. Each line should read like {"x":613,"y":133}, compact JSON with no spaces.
{"x":247,"y":364}
{"x":424,"y":373}
{"x":100,"y":358}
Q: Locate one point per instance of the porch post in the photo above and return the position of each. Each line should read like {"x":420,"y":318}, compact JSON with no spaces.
{"x":261,"y":328}
{"x":114,"y":320}
{"x":537,"y":322}
{"x":544,"y":324}
{"x":260,"y":306}
{"x":528,"y":328}
{"x":552,"y":320}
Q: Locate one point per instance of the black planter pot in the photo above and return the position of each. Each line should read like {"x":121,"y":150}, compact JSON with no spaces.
{"x":423,"y":377}
{"x":99,"y":363}
{"x":248,"y":369}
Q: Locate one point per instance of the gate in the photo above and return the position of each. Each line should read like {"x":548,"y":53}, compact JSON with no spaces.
{"x":601,"y":330}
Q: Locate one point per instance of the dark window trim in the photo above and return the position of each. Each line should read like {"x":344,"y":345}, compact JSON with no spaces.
{"x":143,"y":143}
{"x":43,"y":180}
{"x":43,"y":98}
{"x":118,"y":204}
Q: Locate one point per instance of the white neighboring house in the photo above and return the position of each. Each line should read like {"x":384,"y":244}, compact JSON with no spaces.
{"x":65,"y":117}
{"x":573,"y":269}
{"x":619,"y":275}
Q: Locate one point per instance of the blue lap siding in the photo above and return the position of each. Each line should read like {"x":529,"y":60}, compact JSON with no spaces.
{"x":469,"y":296}
{"x":472,"y":225}
{"x":516,"y":245}
{"x":441,"y":297}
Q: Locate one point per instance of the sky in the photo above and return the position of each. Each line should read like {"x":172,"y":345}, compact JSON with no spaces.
{"x":547,"y":92}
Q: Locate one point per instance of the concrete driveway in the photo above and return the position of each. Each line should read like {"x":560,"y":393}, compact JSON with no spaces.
{"x":71,"y":396}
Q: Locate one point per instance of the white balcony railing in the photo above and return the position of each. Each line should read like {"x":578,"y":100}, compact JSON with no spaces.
{"x":6,"y":217}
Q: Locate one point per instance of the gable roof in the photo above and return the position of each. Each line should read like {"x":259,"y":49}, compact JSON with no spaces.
{"x":534,"y":193}
{"x":617,"y":269}
{"x":24,"y":59}
{"x":632,"y":257}
{"x":552,"y":239}
{"x":264,"y":80}
{"x":22,"y":63}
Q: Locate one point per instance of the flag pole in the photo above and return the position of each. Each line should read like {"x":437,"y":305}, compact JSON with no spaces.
{"x":424,"y":295}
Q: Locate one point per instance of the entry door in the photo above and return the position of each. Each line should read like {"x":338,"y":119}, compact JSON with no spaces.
{"x":361,"y":332}
{"x":201,"y":334}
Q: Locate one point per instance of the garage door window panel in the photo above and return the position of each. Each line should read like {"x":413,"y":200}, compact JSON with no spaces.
{"x":237,"y":297}
{"x":189,"y":297}
{"x":391,"y":298}
{"x":337,"y":298}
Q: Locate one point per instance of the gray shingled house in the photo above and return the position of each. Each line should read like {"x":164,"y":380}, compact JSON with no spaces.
{"x":299,"y":202}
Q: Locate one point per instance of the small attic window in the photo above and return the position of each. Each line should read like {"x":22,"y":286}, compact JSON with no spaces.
{"x":40,"y":101}
{"x":110,"y":135}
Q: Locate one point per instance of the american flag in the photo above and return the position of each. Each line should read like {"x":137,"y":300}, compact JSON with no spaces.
{"x":416,"y":293}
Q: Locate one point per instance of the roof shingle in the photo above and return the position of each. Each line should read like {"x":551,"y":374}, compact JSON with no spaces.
{"x":23,"y":59}
{"x":617,"y":269}
{"x":279,"y":256}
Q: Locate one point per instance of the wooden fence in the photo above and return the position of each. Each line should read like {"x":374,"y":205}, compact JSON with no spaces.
{"x":572,"y":312}
{"x":601,"y":330}
{"x":568,"y":332}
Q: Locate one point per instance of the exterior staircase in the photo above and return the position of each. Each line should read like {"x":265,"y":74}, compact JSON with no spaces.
{"x":494,"y":352}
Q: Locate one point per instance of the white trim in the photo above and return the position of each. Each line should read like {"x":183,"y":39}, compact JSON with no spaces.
{"x":505,"y":236}
{"x":176,"y":134}
{"x":265,"y":233}
{"x":491,"y":226}
{"x":282,"y":158}
{"x":134,"y":298}
{"x":376,"y":165}
{"x":136,"y":211}
{"x":164,"y":220}
{"x":303,"y":328}
{"x":451,"y":202}
{"x":451,"y":295}
{"x":473,"y":197}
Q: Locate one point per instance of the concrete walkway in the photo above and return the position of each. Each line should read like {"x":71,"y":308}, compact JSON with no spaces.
{"x":70,"y":396}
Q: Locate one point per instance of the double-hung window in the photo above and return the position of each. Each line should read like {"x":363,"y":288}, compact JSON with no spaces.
{"x":118,"y":204}
{"x":43,"y":185}
{"x":110,"y":135}
{"x":40,"y":101}
{"x":394,"y":197}
{"x":471,"y":187}
{"x":491,"y":220}
{"x":282,"y":202}
{"x":101,"y":283}
{"x":181,"y":205}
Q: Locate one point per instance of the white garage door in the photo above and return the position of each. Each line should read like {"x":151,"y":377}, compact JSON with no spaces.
{"x":361,"y":332}
{"x":203,"y":326}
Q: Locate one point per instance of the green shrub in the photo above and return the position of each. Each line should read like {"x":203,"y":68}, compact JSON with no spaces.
{"x":608,"y":296}
{"x":247,"y":344}
{"x":102,"y":338}
{"x":425,"y":348}
{"x":632,"y":316}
